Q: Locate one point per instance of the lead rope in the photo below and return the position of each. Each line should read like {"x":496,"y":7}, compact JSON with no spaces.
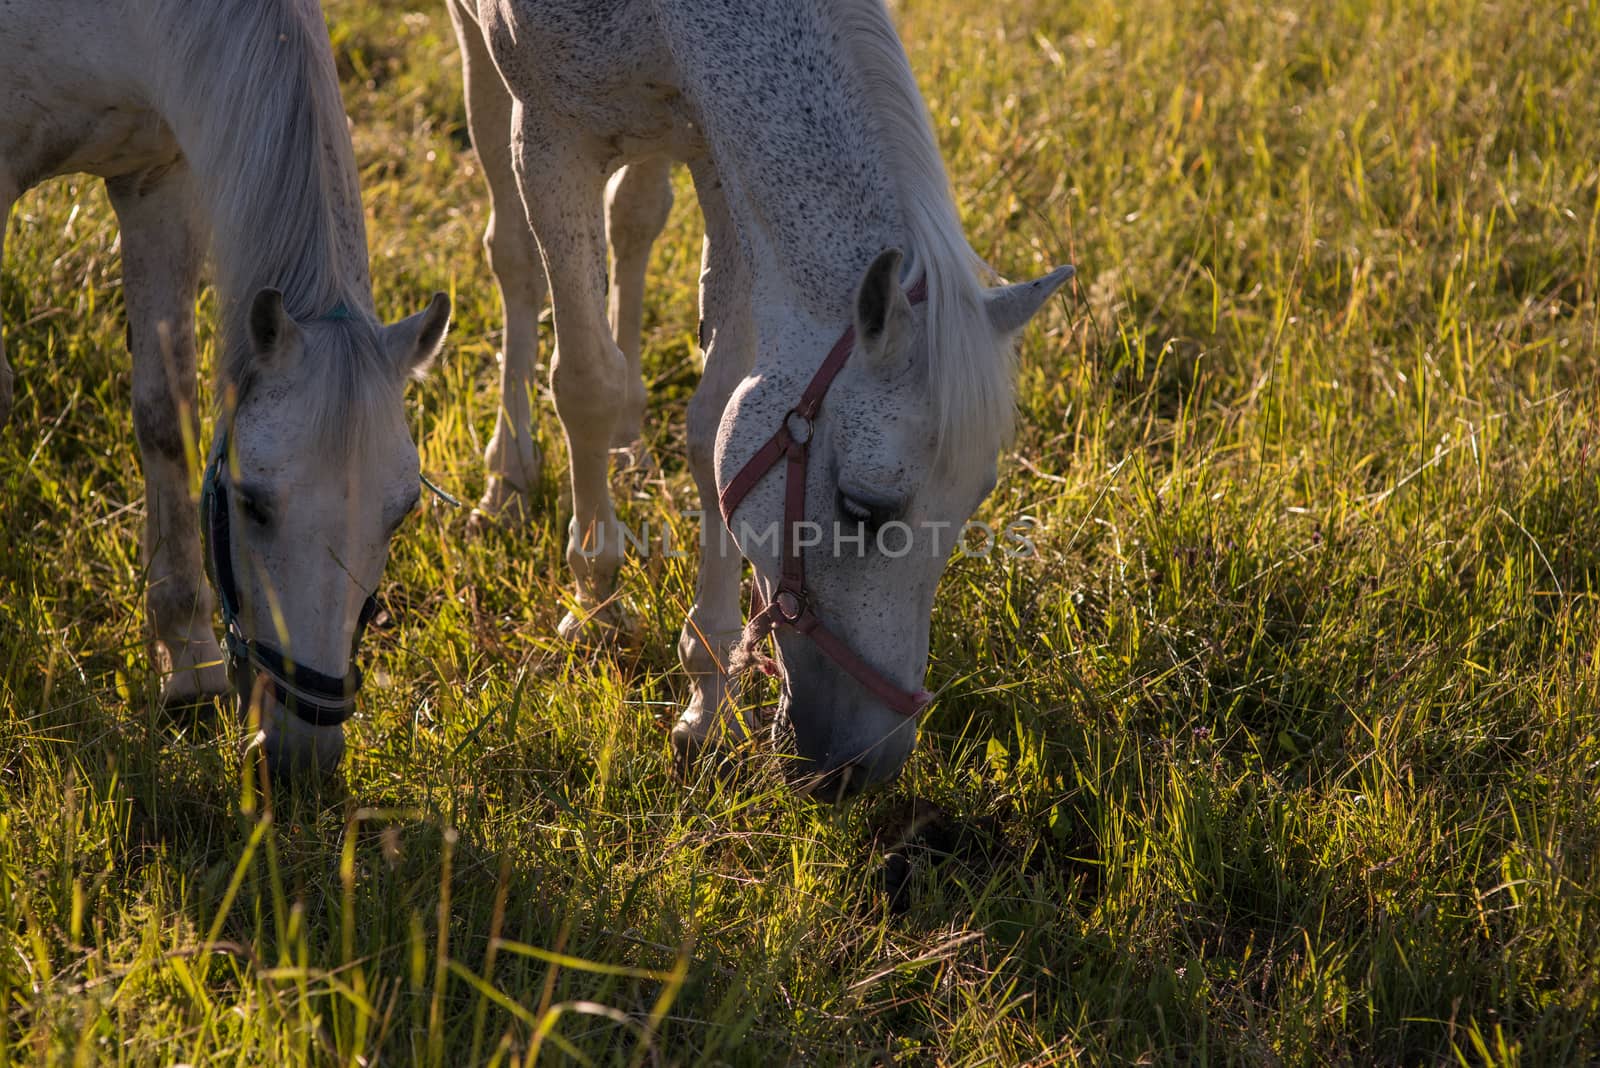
{"x":439,"y":493}
{"x":748,"y":655}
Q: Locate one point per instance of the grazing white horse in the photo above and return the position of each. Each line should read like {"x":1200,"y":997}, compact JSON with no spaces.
{"x":825,"y":201}
{"x":219,"y":122}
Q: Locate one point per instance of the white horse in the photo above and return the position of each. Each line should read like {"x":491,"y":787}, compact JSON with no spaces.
{"x":824,"y":194}
{"x":221,"y":120}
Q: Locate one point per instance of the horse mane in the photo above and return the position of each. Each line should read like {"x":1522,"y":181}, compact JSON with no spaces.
{"x":971,"y":368}
{"x":262,"y":123}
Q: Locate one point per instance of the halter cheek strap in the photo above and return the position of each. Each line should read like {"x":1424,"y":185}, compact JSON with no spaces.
{"x":791,"y":602}
{"x":318,"y":699}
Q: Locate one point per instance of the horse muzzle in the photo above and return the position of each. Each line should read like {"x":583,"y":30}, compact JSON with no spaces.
{"x":843,"y":739}
{"x":292,"y":747}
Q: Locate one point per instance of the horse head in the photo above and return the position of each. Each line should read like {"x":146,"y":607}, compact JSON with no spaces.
{"x":896,"y":459}
{"x":312,"y":471}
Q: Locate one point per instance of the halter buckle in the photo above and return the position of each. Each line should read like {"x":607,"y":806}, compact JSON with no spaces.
{"x":792,"y":416}
{"x":789,"y":605}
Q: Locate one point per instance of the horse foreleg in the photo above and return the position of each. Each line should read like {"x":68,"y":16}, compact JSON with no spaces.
{"x":8,"y":196}
{"x":587,"y":372}
{"x":513,"y":458}
{"x":713,"y":627}
{"x":638,"y":201}
{"x":161,"y":254}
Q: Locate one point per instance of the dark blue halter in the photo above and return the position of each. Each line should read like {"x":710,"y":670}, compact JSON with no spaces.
{"x":318,"y":699}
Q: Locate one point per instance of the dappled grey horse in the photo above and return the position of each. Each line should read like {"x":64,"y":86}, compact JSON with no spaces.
{"x":857,"y":373}
{"x":220,"y":121}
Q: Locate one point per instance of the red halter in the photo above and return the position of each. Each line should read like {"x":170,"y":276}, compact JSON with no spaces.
{"x":791,"y":603}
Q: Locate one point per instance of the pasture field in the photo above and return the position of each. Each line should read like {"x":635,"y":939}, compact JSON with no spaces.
{"x":1282,"y":750}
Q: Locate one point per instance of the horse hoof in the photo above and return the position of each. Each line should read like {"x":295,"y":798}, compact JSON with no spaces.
{"x":191,"y":711}
{"x":692,"y":751}
{"x":608,"y":626}
{"x":193,"y":682}
{"x":727,"y":742}
{"x":693,"y":758}
{"x":687,"y":745}
{"x":635,"y":460}
{"x":503,"y":502}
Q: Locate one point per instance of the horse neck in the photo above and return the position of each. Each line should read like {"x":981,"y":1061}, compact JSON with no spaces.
{"x":804,"y":172}
{"x":252,"y":96}
{"x":828,"y":158}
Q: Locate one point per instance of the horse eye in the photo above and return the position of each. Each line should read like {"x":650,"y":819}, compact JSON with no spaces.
{"x":254,"y":509}
{"x":863,"y":513}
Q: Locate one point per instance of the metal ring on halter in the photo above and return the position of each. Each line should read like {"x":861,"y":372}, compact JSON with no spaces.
{"x":789,"y":606}
{"x":810,"y":427}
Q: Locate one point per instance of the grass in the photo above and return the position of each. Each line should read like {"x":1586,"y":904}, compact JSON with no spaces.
{"x":1284,"y":749}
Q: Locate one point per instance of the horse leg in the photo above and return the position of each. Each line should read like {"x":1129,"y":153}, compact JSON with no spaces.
{"x":728,"y":337}
{"x":161,"y":255}
{"x":8,"y":196}
{"x":638,"y":201}
{"x":513,"y":457}
{"x":587,"y":372}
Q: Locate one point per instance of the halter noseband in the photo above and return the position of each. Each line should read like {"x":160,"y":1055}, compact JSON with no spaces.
{"x":791,"y":602}
{"x":318,"y":699}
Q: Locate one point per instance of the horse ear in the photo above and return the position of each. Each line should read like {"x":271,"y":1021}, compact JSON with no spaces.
{"x":1010,"y":307}
{"x":412,"y":343}
{"x":882,"y":311}
{"x":271,"y":329}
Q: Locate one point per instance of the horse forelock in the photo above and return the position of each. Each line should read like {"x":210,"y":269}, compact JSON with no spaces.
{"x":344,"y":383}
{"x":971,"y":366}
{"x":355,"y":388}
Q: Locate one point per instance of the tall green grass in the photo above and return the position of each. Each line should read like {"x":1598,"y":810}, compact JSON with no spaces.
{"x":1283,"y":750}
